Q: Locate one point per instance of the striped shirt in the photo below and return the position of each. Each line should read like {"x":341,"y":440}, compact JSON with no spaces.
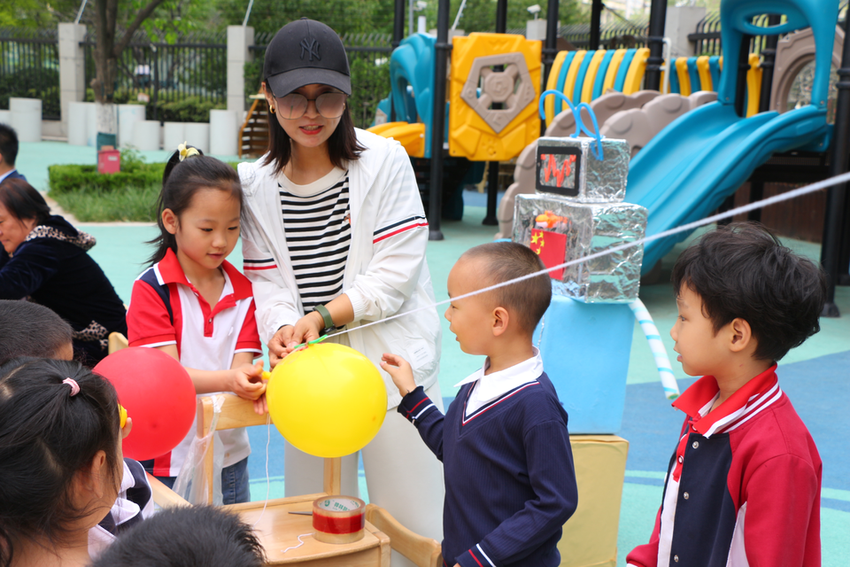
{"x":317,"y":225}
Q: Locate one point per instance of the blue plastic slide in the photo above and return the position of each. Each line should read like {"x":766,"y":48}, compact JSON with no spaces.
{"x":691,"y":166}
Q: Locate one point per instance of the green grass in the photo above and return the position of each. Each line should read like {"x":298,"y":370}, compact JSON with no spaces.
{"x":96,"y":205}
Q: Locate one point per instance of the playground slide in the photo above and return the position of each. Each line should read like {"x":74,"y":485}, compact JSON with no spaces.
{"x":689,"y":168}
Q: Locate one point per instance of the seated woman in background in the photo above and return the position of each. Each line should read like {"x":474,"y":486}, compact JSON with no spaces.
{"x":45,"y":260}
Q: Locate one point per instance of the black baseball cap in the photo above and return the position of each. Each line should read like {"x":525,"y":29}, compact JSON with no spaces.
{"x":305,"y":52}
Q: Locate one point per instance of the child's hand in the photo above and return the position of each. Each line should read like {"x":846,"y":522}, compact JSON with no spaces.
{"x":400,"y":371}
{"x":261,"y":405}
{"x":247,"y":381}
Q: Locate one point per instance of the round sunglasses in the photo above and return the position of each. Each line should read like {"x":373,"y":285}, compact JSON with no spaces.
{"x":294,"y":105}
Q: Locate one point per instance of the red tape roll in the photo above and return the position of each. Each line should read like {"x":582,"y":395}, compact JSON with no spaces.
{"x":339,"y":519}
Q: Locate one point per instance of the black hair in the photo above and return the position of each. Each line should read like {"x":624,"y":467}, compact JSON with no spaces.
{"x":8,"y":144}
{"x":23,"y":201}
{"x":527,"y":300}
{"x":743,"y":271}
{"x":47,"y":436}
{"x":180,"y":181}
{"x":192,"y":536}
{"x":343,"y":146}
{"x":30,"y":329}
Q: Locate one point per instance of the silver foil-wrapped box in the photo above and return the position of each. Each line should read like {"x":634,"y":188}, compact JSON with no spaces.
{"x":569,"y":167}
{"x":553,"y":226}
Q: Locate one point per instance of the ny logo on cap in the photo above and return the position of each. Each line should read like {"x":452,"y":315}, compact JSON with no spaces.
{"x":310,"y":46}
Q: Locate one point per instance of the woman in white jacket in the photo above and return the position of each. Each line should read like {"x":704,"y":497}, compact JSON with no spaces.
{"x":335,"y":237}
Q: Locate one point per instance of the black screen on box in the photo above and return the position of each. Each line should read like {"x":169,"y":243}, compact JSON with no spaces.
{"x":558,"y":170}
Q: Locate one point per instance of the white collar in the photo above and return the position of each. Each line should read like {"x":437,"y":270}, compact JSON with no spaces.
{"x":499,"y":383}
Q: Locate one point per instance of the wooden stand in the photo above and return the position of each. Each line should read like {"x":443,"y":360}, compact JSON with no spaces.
{"x":278,"y":530}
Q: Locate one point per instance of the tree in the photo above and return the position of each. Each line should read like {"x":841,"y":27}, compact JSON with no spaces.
{"x":480,"y":15}
{"x":106,"y":53}
{"x":35,"y":14}
{"x":343,"y":16}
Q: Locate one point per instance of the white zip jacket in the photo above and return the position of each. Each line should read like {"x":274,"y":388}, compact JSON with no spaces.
{"x":385,"y":272}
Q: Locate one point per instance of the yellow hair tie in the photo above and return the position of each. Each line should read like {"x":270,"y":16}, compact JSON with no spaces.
{"x":187,"y":151}
{"x":123,"y":415}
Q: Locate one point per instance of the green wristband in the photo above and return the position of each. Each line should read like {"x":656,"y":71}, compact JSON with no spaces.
{"x":326,"y":316}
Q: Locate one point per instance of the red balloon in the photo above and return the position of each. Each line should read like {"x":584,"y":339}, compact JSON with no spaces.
{"x":158,"y":395}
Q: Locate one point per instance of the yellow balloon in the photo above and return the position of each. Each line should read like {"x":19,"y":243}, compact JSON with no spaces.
{"x":327,"y":400}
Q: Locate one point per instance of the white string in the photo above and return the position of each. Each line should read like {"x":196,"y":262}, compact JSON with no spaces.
{"x":300,"y":542}
{"x":268,"y":480}
{"x":837,"y":180}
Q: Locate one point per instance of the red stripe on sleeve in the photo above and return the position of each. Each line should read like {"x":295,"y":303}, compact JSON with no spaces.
{"x":411,"y":410}
{"x":403,"y":229}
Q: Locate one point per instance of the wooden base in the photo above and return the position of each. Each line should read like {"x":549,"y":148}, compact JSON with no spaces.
{"x":278,"y":530}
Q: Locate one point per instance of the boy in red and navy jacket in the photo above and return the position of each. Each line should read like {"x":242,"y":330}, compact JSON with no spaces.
{"x":504,"y":444}
{"x":743,"y":487}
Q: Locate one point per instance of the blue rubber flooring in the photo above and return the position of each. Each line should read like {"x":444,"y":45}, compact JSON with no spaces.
{"x":818,"y":389}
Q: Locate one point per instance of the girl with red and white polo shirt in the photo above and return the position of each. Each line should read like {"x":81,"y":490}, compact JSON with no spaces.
{"x":195,"y":306}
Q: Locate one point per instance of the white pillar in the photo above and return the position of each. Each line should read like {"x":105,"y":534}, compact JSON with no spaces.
{"x":224,"y":128}
{"x":239,"y":38}
{"x":26,"y":118}
{"x":72,"y":73}
{"x":680,"y":21}
{"x":535,"y":29}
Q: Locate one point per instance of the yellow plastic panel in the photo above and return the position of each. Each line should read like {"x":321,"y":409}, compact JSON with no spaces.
{"x":684,"y":78}
{"x":590,"y":76}
{"x":705,"y":82}
{"x":613,"y":67}
{"x":469,"y":135}
{"x":753,"y":85}
{"x":636,"y":70}
{"x":378,"y":128}
{"x":551,"y":84}
{"x":410,"y":136}
{"x":572,"y":74}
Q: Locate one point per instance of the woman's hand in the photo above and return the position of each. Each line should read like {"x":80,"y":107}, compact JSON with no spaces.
{"x":400,"y":371}
{"x":308,"y":328}
{"x":277,"y":344}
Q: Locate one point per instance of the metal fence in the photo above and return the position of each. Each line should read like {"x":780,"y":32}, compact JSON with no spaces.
{"x":177,"y":81}
{"x":29,"y":68}
{"x":369,"y":60}
{"x":706,"y":38}
{"x":616,"y":34}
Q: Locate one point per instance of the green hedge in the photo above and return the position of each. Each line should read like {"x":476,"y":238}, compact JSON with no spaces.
{"x":71,"y":178}
{"x":134,"y":174}
{"x":94,"y":197}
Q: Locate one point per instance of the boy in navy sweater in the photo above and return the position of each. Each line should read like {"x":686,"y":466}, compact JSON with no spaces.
{"x":510,"y":482}
{"x":743,"y":486}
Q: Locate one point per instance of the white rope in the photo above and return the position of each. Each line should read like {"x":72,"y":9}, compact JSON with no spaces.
{"x":268,"y":479}
{"x":837,"y":180}
{"x":300,"y":542}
